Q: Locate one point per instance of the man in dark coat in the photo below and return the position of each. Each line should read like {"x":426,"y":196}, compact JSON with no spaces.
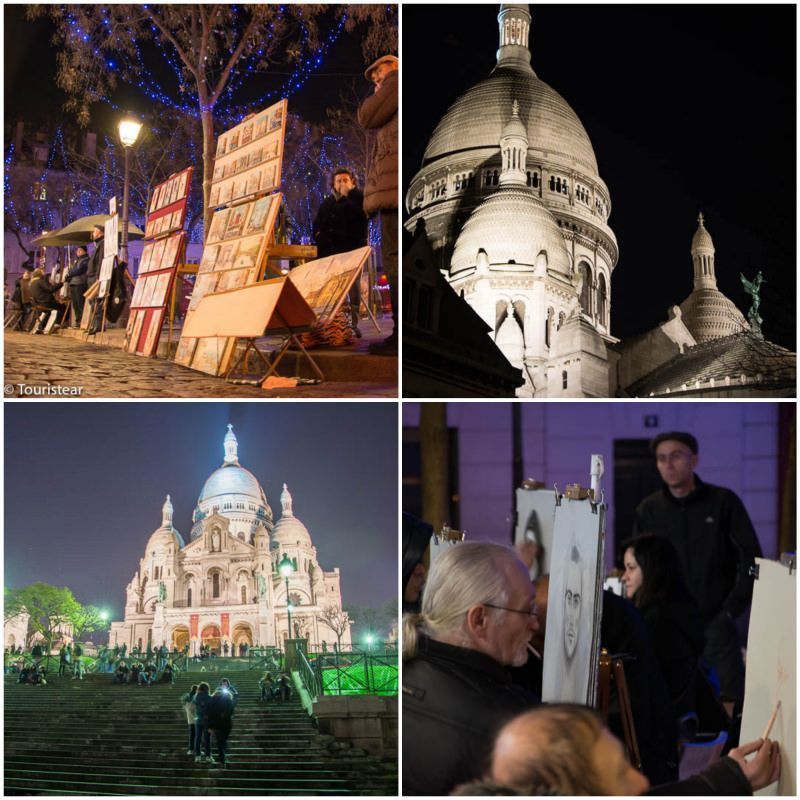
{"x":76,"y":279}
{"x":477,"y":618}
{"x":378,"y":112}
{"x":341,"y":226}
{"x":716,"y":543}
{"x":93,"y":270}
{"x":43,"y":293}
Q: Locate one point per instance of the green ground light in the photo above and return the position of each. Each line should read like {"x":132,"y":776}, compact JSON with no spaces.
{"x":380,"y":679}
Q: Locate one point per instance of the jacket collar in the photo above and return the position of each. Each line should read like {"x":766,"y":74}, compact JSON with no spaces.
{"x":698,"y":493}
{"x":435,"y":650}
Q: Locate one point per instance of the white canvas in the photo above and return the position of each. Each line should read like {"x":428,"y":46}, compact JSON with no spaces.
{"x":771,"y":673}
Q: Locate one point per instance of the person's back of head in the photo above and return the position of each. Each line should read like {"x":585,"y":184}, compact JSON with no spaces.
{"x":464,"y":575}
{"x":203,"y":688}
{"x":563,"y":749}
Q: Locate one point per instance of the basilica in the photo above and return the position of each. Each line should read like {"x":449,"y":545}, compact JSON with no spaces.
{"x":516,"y":218}
{"x":223,"y":589}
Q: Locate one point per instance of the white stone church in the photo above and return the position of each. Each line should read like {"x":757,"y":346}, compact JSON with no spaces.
{"x":517,"y":216}
{"x":224,"y":587}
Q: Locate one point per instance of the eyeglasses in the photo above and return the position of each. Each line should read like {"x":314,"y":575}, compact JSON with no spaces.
{"x":533,"y":612}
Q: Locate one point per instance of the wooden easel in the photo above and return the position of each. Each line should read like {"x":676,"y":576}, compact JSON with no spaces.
{"x":612,"y":667}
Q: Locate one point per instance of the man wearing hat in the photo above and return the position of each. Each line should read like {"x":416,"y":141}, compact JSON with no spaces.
{"x":717,"y":545}
{"x":378,"y":112}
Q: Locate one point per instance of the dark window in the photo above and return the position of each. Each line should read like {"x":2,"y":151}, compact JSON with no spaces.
{"x":215,"y":583}
{"x":189,"y":596}
{"x":564,"y":379}
{"x":424,"y":307}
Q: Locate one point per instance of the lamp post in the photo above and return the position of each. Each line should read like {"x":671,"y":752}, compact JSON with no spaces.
{"x":128,"y":133}
{"x":286,"y":568}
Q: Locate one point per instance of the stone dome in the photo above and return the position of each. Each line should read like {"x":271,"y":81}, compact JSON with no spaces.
{"x":232,"y":479}
{"x":166,"y":535}
{"x":288,"y":529}
{"x":477,"y":118}
{"x":513,"y":227}
{"x":702,"y":238}
{"x":708,"y":315}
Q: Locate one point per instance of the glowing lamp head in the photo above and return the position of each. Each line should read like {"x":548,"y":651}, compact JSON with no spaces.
{"x":369,"y":638}
{"x":104,"y":615}
{"x":129,"y":131}
{"x":286,"y":568}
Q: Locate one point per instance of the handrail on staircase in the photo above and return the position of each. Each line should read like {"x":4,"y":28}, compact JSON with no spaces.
{"x":308,"y":675}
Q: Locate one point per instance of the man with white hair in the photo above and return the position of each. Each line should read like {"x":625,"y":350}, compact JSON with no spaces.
{"x":477,"y":617}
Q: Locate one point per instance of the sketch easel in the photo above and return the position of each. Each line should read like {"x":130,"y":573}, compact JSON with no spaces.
{"x":612,"y":668}
{"x":270,"y":308}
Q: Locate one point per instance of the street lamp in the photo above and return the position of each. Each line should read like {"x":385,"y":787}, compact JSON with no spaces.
{"x":104,"y":615}
{"x":129,"y":128}
{"x":286,"y":568}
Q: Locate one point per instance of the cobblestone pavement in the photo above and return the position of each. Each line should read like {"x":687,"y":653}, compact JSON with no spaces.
{"x":79,"y":369}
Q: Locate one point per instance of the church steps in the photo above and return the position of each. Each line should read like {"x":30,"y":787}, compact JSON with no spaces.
{"x":73,"y":737}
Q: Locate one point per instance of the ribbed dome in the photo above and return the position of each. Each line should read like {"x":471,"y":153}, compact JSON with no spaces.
{"x":708,"y":315}
{"x":478,"y":117}
{"x":232,"y":479}
{"x":702,"y":238}
{"x":513,"y":227}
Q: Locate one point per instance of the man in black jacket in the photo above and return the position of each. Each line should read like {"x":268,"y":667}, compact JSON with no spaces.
{"x":76,"y":278}
{"x":717,"y":545}
{"x":477,"y":617}
{"x":341,"y":226}
{"x":93,"y":270}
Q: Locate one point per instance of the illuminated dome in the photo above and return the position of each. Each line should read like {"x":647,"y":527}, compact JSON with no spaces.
{"x":231,"y":477}
{"x":513,"y":227}
{"x":234,"y":492}
{"x":288,"y":529}
{"x":477,"y":118}
{"x":707,"y":312}
{"x":166,"y":535}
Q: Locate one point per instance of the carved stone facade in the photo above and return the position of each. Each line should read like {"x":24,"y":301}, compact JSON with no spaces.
{"x":224,"y":588}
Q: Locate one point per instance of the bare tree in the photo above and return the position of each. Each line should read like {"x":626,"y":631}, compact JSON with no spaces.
{"x":208,"y":47}
{"x":337,"y":620}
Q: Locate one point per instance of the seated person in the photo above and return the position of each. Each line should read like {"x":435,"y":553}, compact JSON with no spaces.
{"x":168,"y":676}
{"x":267,"y":686}
{"x":121,"y":673}
{"x":136,"y":670}
{"x":43,"y":292}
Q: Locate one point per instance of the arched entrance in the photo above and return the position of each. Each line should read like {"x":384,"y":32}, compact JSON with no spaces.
{"x":242,"y":634}
{"x":180,"y":638}
{"x":210,"y":637}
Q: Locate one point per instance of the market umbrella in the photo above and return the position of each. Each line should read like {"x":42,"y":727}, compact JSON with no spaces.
{"x":80,"y":231}
{"x":53,"y":239}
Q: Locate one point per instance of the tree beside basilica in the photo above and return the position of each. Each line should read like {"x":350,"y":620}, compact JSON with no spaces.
{"x":223,"y":587}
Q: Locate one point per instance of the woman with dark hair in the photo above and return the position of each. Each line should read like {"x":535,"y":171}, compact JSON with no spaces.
{"x":653,"y":581}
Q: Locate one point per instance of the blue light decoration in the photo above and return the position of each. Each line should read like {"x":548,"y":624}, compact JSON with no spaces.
{"x":304,"y":189}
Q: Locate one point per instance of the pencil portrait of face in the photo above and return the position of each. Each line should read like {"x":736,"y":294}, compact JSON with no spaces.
{"x":573,"y":598}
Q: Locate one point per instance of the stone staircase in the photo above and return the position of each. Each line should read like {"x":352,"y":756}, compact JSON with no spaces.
{"x":96,"y":738}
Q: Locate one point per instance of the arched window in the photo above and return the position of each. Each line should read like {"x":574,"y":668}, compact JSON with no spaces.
{"x":602,"y":299}
{"x":215,"y":585}
{"x":552,"y":184}
{"x":189,"y":597}
{"x":535,"y":183}
{"x":548,"y":326}
{"x":564,"y":379}
{"x":244,"y":594}
{"x":558,"y":184}
{"x":586,"y":276}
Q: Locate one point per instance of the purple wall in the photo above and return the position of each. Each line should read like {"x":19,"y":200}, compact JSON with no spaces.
{"x":738,"y":449}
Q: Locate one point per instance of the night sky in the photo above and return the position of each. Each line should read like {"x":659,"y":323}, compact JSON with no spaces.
{"x":30,"y":66}
{"x":688,"y":108}
{"x":85,"y":483}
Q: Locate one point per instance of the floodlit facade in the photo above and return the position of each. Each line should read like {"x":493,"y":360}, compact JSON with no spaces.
{"x":224,"y":586}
